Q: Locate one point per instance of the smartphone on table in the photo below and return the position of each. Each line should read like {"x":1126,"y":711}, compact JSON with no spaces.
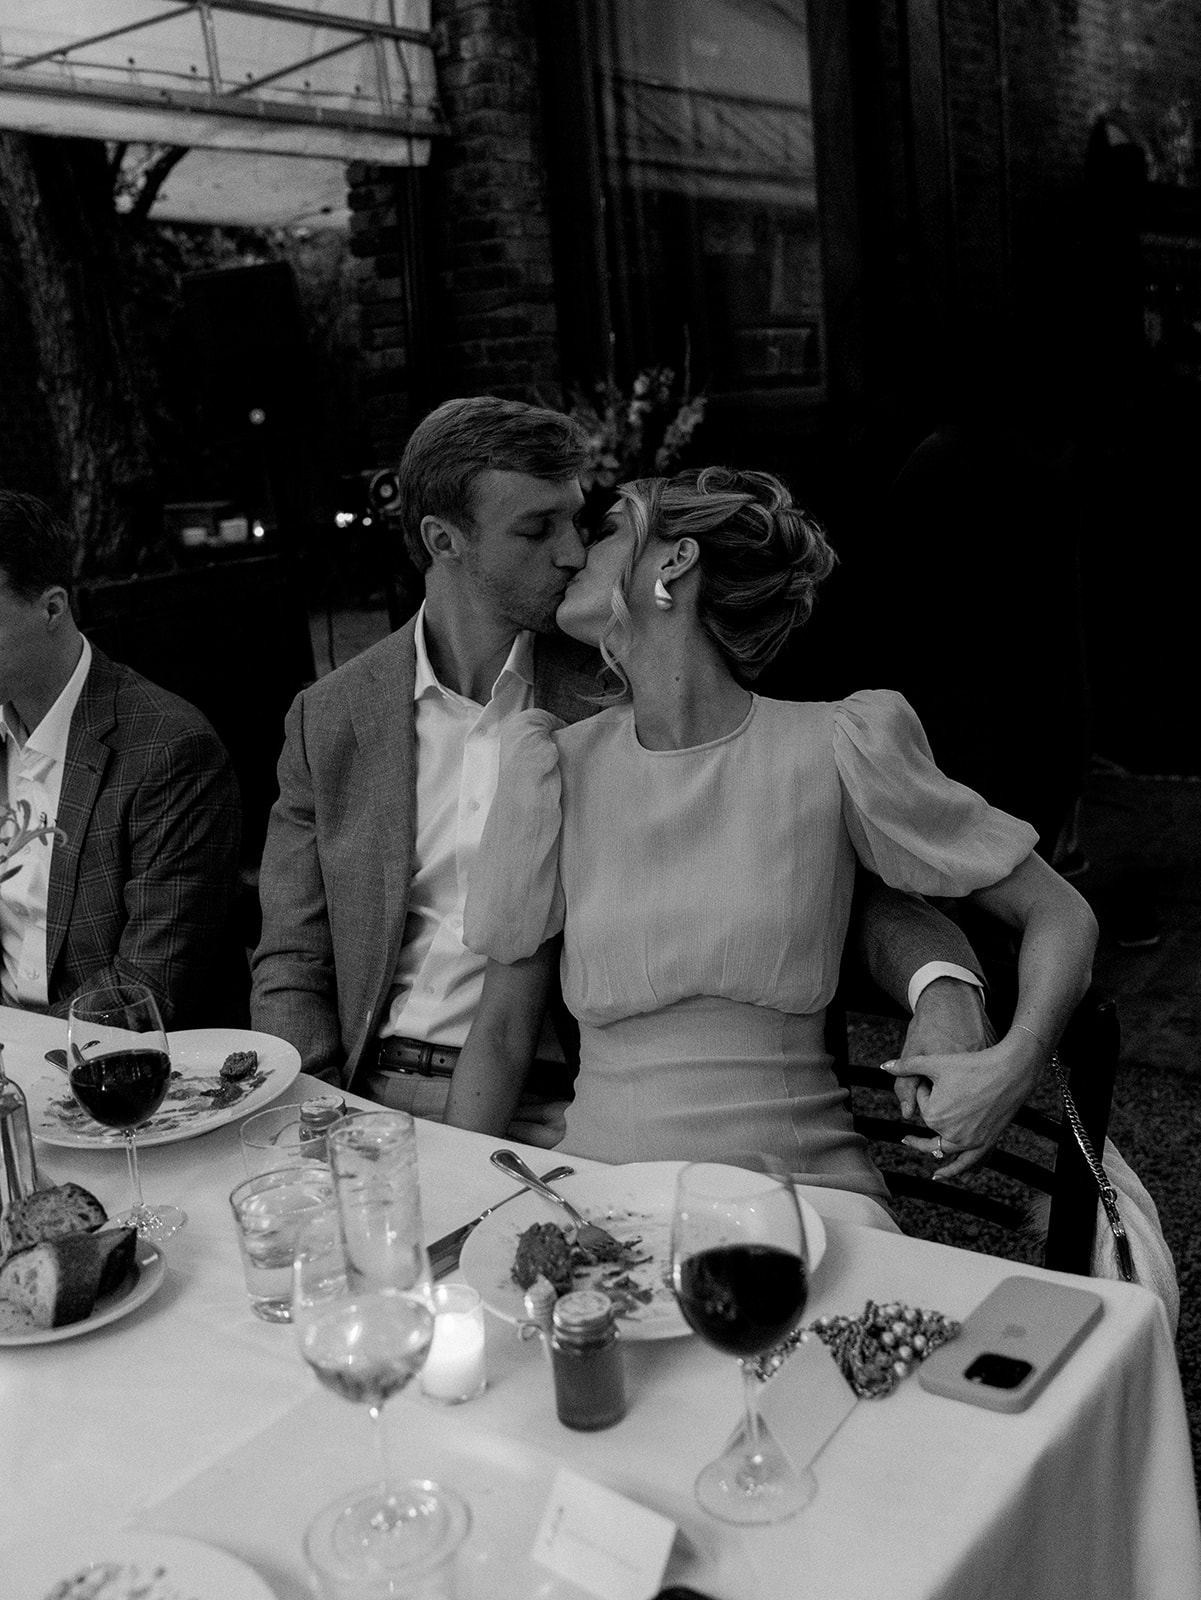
{"x":1012,"y":1345}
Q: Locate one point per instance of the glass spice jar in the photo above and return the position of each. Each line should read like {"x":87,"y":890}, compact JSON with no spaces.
{"x":586,"y":1357}
{"x":317,"y":1117}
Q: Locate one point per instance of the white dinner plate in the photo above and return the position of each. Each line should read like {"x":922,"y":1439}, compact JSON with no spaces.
{"x":196,"y":1056}
{"x":632,"y":1202}
{"x":119,"y":1302}
{"x":127,"y":1566}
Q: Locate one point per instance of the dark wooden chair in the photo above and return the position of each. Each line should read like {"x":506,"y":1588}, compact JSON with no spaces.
{"x":1089,"y":1052}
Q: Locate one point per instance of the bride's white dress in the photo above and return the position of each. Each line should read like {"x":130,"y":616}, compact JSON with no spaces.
{"x":703,"y":895}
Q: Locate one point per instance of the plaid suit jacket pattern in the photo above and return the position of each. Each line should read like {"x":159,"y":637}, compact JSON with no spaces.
{"x":338,"y":860}
{"x":144,"y":885}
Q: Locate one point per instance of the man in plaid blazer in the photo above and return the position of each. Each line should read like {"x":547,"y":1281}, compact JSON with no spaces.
{"x":139,"y":883}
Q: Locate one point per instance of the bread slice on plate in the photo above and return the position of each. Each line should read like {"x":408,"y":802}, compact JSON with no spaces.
{"x":59,"y":1281}
{"x":15,"y":1319}
{"x":118,"y":1251}
{"x":49,"y":1214}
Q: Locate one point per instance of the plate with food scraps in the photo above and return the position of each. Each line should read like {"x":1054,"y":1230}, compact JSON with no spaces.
{"x":206,"y":1091}
{"x":140,"y":1283}
{"x":634,"y":1203}
{"x":128,"y":1566}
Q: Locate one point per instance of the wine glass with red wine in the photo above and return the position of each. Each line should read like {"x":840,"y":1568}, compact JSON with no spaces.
{"x":118,"y":1067}
{"x":740,"y":1275}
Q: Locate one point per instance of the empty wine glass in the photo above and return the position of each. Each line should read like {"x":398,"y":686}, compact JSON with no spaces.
{"x":366,"y":1344}
{"x":739,"y":1271}
{"x":119,"y":1068}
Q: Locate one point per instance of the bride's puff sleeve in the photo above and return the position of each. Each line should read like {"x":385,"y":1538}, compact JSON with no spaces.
{"x":916,"y":828}
{"x":514,"y":898}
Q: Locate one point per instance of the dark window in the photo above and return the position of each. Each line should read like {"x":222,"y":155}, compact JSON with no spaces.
{"x":704,"y":122}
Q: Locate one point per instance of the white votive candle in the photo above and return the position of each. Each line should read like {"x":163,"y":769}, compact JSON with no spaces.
{"x":454,"y":1368}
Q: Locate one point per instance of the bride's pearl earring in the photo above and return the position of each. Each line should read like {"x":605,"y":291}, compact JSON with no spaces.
{"x":662,"y":595}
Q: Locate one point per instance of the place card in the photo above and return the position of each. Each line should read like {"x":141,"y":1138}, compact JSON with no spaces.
{"x":804,"y":1402}
{"x":600,"y":1541}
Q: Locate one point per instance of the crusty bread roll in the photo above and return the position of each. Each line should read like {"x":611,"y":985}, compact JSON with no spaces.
{"x":59,"y":1280}
{"x":118,"y":1251}
{"x":49,"y":1214}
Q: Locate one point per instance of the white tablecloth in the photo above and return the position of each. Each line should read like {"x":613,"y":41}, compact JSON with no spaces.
{"x":190,"y":1416}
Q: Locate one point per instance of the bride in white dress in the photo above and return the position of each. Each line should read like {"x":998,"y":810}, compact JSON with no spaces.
{"x":694,"y":845}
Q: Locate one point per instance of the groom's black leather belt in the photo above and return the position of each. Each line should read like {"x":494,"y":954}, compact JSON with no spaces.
{"x":547,"y":1080}
{"x":411,"y":1055}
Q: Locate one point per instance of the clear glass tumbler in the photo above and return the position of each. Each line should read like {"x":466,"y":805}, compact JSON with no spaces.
{"x":269,"y":1212}
{"x":373,"y":1157}
{"x":276,"y":1138}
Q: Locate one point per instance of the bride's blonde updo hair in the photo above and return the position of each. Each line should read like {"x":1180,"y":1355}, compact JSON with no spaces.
{"x":761,"y":559}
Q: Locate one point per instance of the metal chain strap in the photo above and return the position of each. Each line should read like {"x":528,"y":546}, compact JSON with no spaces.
{"x":1106,"y":1190}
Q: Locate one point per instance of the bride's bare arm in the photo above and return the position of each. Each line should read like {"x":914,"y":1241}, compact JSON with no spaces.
{"x":972,"y":1098}
{"x":492,"y":1068}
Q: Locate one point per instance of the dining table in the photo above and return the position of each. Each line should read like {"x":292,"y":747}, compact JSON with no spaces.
{"x":191,"y":1417}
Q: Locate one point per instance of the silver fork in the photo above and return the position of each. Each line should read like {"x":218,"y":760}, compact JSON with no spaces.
{"x":588,"y":1235}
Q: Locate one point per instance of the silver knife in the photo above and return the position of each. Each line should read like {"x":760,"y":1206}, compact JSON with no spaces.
{"x":444,"y":1252}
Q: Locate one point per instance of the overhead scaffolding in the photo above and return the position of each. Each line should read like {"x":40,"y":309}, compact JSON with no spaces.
{"x":337,"y":80}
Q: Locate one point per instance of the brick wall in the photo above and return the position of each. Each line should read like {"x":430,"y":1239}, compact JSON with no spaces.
{"x":378,"y":237}
{"x":459,"y":264}
{"x":495,"y":279}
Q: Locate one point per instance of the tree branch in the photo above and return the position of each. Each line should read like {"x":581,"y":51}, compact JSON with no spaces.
{"x":152,"y":181}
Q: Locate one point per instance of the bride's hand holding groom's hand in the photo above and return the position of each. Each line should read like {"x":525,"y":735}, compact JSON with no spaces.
{"x":952,"y":1076}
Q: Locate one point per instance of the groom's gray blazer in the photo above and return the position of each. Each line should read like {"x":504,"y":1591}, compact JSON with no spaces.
{"x":338,"y":860}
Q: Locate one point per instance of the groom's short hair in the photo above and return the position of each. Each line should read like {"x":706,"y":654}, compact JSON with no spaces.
{"x":451,"y":447}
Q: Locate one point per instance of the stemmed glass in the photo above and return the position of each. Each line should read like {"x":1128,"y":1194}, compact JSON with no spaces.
{"x":366,"y":1344}
{"x":740,"y":1274}
{"x":119,"y":1068}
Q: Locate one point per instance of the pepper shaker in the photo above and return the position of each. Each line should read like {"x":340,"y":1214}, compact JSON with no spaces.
{"x":586,"y":1357}
{"x":317,"y":1117}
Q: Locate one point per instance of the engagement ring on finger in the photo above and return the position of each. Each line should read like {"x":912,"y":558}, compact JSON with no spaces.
{"x":938,"y":1149}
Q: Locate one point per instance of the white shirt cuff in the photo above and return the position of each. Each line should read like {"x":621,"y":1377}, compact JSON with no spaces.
{"x":924,"y":976}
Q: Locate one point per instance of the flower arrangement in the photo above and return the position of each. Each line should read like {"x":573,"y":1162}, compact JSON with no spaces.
{"x":640,"y":433}
{"x":17,"y":829}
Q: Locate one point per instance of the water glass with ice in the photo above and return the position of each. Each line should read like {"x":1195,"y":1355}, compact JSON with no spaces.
{"x":270,"y":1210}
{"x":277,"y":1137}
{"x":373,"y":1157}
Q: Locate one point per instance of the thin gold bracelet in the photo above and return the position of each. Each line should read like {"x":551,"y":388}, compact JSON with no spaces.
{"x":1033,"y":1035}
